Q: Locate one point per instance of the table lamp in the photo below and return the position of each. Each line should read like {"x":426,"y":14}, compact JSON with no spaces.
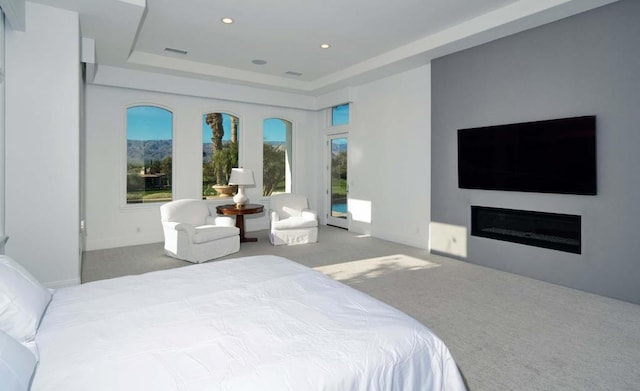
{"x":241,"y":177}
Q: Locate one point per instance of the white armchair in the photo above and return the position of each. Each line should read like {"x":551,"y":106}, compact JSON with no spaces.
{"x":291,"y":220}
{"x":191,"y":233}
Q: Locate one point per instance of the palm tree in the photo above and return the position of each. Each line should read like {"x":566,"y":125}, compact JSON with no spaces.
{"x":217,"y":129}
{"x":234,"y":129}
{"x":273,"y":171}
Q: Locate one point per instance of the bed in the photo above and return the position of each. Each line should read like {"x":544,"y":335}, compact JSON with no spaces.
{"x":254,"y":323}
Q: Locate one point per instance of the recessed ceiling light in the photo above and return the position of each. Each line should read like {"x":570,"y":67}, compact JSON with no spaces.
{"x":258,"y":62}
{"x":226,"y":20}
{"x":325,"y":46}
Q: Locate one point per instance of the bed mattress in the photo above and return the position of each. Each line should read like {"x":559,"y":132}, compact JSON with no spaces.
{"x":255,"y":323}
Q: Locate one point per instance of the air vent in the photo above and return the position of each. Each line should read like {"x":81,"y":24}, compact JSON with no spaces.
{"x":292,"y":73}
{"x":177,"y":51}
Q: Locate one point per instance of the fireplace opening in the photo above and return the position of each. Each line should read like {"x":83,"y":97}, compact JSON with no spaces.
{"x":541,"y":229}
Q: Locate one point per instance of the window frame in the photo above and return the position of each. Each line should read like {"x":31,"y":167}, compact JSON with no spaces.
{"x":124,"y":205}
{"x":241,"y":142}
{"x":330,"y":124}
{"x":334,"y":131}
{"x":289,"y":185}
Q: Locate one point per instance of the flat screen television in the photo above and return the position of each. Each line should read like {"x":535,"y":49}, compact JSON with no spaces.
{"x":553,"y":156}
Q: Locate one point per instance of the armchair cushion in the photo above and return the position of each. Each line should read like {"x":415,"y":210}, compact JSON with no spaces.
{"x":294,"y":222}
{"x":291,"y":211}
{"x":294,"y":212}
{"x":207,"y":233}
{"x":310,"y":215}
{"x":287,"y":205}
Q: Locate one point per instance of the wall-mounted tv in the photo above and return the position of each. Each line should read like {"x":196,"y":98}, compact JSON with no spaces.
{"x":553,"y":156}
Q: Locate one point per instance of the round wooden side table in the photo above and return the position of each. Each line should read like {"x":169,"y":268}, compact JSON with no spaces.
{"x":239,"y":212}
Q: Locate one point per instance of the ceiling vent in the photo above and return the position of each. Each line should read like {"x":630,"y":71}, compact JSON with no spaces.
{"x":177,"y":51}
{"x":292,"y":73}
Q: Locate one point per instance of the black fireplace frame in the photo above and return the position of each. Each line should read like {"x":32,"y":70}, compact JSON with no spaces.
{"x":554,"y":231}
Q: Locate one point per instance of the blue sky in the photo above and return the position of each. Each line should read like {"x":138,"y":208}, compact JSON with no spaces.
{"x":340,"y":115}
{"x":274,"y":130}
{"x":149,"y":123}
{"x":155,"y":123}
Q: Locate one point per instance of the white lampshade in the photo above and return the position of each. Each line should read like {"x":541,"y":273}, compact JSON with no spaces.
{"x":241,"y":177}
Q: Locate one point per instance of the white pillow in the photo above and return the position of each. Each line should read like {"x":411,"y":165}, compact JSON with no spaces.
{"x":23,"y":301}
{"x":292,"y":211}
{"x":17,"y":364}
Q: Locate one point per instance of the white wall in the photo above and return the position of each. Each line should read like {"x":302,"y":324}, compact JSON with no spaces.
{"x":389,"y":159}
{"x":389,"y":156}
{"x":111,"y":223}
{"x":42,"y":144}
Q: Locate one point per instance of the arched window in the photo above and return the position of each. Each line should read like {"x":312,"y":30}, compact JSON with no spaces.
{"x":276,"y":156}
{"x":149,"y":154}
{"x":220,"y":145}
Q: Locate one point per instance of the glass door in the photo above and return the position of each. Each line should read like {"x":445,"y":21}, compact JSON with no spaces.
{"x":338,"y":190}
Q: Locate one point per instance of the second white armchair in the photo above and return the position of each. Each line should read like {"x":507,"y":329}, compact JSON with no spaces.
{"x":291,"y":220}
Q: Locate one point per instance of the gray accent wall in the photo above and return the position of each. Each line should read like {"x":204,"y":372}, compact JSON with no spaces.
{"x":588,"y":64}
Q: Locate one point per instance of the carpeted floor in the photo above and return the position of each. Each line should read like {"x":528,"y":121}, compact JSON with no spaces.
{"x":505,"y":331}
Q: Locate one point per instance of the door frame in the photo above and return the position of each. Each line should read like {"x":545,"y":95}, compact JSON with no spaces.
{"x":330,"y":220}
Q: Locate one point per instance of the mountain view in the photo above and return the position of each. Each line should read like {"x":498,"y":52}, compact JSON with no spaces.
{"x":147,"y":149}
{"x":159,"y":149}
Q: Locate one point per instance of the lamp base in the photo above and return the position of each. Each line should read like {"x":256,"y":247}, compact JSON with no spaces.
{"x":240,"y":198}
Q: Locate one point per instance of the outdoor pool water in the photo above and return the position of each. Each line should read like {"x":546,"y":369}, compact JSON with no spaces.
{"x":339,"y":208}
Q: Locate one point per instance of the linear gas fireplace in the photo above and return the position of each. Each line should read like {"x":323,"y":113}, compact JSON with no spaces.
{"x":548,"y":230}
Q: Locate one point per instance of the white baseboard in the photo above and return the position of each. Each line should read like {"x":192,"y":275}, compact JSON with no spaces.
{"x":417,"y":240}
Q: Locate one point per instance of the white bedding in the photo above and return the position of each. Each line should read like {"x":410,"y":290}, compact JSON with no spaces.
{"x":256,"y":323}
